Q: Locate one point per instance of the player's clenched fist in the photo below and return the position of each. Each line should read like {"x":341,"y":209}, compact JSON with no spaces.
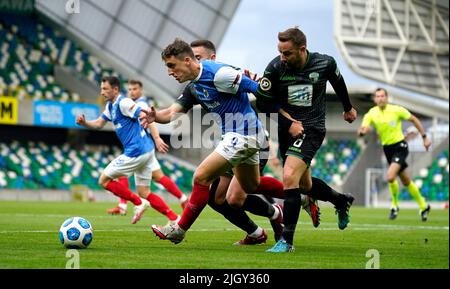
{"x":81,"y":119}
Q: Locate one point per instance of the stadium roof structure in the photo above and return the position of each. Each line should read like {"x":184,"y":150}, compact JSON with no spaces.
{"x":130,"y":35}
{"x":403,"y":43}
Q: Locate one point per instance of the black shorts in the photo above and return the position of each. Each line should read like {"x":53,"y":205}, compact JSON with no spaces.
{"x":305,"y":147}
{"x":397,"y":153}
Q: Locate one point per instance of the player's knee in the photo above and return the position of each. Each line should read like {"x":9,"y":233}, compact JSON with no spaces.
{"x":235,"y":201}
{"x":391,"y":178}
{"x":201,"y":178}
{"x":289,"y":181}
{"x":157,"y":176}
{"x":406,"y":181}
{"x":102,"y":181}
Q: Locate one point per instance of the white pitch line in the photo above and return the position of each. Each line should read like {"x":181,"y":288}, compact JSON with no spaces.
{"x":356,"y":227}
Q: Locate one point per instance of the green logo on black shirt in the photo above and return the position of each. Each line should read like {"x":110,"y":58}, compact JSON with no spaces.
{"x":314,"y":77}
{"x":288,"y":78}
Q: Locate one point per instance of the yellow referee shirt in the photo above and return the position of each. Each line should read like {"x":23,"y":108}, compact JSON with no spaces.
{"x":387,"y":122}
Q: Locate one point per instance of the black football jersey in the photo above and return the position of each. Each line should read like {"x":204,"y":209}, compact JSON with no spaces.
{"x":300,"y":91}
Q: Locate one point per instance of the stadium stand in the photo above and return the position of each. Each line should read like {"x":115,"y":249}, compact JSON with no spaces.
{"x":37,"y":165}
{"x":334,"y":160}
{"x":433,"y":181}
{"x":27,"y":70}
{"x":29,"y":52}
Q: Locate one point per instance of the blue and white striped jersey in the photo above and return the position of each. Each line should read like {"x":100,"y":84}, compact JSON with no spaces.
{"x":223,"y":90}
{"x":123,"y":113}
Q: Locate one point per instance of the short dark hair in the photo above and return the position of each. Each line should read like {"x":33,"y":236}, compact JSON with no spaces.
{"x":134,"y":82}
{"x":204,"y":43}
{"x":178,"y":49}
{"x":381,"y":89}
{"x":112,"y":80}
{"x":293,"y":34}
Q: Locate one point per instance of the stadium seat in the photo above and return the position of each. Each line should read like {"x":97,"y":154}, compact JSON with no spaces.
{"x":30,"y":51}
{"x":30,"y":165}
{"x":433,"y":181}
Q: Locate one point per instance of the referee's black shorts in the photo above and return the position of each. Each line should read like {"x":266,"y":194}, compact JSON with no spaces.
{"x":397,"y":153}
{"x":305,"y":147}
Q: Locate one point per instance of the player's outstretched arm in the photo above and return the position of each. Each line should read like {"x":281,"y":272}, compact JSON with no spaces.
{"x":161,"y":146}
{"x":99,"y":123}
{"x":160,"y":116}
{"x":418,"y":124}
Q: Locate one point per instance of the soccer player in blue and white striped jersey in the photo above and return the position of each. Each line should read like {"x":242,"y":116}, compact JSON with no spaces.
{"x":139,"y":150}
{"x":222,"y":91}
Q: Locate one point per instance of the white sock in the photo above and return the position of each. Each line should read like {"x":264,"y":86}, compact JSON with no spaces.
{"x":183,"y":198}
{"x":257,"y":232}
{"x":276,"y":214}
{"x":123,"y":206}
{"x":303,"y":200}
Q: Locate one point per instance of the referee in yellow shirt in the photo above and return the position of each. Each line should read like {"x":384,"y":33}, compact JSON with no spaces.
{"x":387,"y":120}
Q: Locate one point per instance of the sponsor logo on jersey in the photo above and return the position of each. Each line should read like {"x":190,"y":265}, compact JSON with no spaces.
{"x":300,"y":95}
{"x":288,"y":78}
{"x":212,"y":105}
{"x":205,"y":93}
{"x":265,"y":84}
{"x":314,"y":77}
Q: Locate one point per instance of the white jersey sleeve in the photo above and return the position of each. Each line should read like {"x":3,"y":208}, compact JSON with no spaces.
{"x":106,"y":115}
{"x":142,"y":102}
{"x":129,"y":108}
{"x":228,"y":79}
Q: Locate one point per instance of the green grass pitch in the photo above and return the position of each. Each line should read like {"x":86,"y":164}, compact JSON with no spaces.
{"x":29,"y":239}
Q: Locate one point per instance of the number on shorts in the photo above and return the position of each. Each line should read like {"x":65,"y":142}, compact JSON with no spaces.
{"x":298,"y":142}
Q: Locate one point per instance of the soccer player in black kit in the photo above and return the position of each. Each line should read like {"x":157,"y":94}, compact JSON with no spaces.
{"x":205,"y":49}
{"x":296,"y":81}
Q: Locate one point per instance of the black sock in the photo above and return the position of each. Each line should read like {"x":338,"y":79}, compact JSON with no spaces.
{"x":258,"y":206}
{"x":236,"y":216}
{"x":321,"y":191}
{"x":269,"y":199}
{"x":291,"y":212}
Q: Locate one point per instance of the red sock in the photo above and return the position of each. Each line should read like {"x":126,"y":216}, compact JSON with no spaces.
{"x":198,"y":200}
{"x":124,"y":181}
{"x":158,"y":204}
{"x":270,"y":187}
{"x":123,"y":192}
{"x":171,"y":187}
